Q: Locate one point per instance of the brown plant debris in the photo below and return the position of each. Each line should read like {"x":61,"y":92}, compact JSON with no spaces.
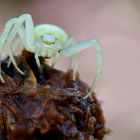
{"x":46,"y":105}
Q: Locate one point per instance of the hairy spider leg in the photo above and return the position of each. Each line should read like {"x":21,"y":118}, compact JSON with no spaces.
{"x":71,"y":50}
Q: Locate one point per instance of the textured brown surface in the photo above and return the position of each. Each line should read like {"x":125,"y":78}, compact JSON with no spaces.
{"x":47,"y":105}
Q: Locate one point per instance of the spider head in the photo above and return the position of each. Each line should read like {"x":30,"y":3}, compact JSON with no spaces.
{"x":50,"y":45}
{"x":53,"y":38}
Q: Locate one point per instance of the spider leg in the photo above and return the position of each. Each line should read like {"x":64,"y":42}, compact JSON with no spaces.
{"x":68,"y":51}
{"x":3,"y":38}
{"x":26,"y":31}
{"x":23,"y":26}
{"x":1,"y":78}
{"x":37,"y":61}
{"x":7,"y":36}
{"x":73,"y":65}
{"x":6,"y":31}
{"x":14,"y":48}
{"x":9,"y":39}
{"x":55,"y":59}
{"x":74,"y":58}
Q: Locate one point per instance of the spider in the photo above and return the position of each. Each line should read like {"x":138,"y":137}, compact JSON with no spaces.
{"x":47,"y":41}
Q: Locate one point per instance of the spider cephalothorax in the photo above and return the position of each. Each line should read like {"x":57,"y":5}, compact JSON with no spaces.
{"x":47,"y":46}
{"x":47,"y":41}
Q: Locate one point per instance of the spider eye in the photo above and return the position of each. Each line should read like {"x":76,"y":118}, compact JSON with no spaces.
{"x":48,"y":42}
{"x":49,"y":39}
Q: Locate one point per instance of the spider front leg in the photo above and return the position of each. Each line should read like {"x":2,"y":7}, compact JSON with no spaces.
{"x":73,"y":65}
{"x":9,"y":40}
{"x":73,"y":49}
{"x":10,"y":31}
{"x":38,"y":61}
{"x":74,"y":58}
{"x":26,"y":32}
{"x":14,"y":49}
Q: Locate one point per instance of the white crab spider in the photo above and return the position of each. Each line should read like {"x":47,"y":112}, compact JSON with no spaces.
{"x":47,"y":41}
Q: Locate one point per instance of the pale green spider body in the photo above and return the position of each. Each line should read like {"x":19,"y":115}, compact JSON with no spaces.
{"x":47,"y":41}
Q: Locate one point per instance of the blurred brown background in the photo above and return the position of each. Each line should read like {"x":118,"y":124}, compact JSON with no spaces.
{"x":116,"y":23}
